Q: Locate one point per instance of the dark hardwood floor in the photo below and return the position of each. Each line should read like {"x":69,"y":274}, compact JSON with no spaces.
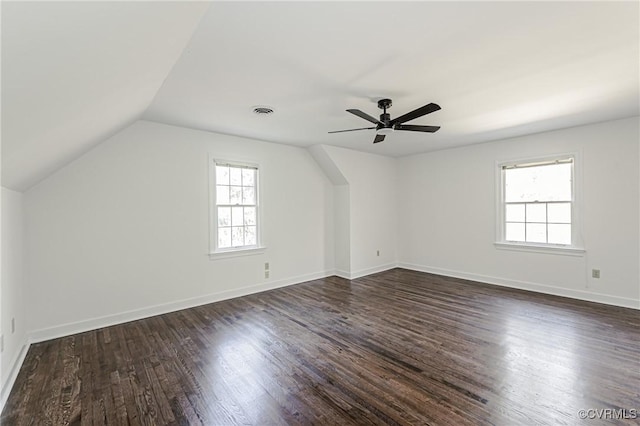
{"x":398,"y":347}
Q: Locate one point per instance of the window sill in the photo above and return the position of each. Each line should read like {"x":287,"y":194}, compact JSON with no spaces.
{"x":533,"y":248}
{"x":236,"y":253}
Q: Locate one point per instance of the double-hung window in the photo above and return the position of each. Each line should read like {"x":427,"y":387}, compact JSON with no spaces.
{"x":235,"y":218}
{"x":537,"y":205}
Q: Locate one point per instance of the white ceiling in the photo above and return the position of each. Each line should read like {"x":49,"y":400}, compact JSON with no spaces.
{"x":74,"y":73}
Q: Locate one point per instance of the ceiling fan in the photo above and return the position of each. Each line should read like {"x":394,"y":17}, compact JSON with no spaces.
{"x":386,"y":125}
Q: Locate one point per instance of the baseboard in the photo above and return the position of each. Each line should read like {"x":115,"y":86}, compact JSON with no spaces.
{"x":524,"y":285}
{"x":374,"y":270}
{"x":109,"y":320}
{"x":16,"y":364}
{"x":364,"y":272}
{"x":342,"y":274}
{"x":106,"y":321}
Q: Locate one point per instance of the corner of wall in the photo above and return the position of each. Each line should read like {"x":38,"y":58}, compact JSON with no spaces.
{"x":14,"y":369}
{"x":12,"y":302}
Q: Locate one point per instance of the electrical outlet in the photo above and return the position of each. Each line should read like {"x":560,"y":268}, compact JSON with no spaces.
{"x":378,"y":253}
{"x":266,"y":266}
{"x":266,"y":274}
{"x":13,"y":325}
{"x":595,"y":273}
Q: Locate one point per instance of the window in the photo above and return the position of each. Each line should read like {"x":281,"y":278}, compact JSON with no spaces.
{"x":235,"y":218}
{"x":537,"y":205}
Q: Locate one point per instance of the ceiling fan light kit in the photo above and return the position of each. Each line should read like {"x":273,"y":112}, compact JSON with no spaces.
{"x":385,"y":125}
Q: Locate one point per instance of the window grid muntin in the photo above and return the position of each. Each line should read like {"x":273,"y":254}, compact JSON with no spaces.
{"x":241,"y":204}
{"x":546,"y":223}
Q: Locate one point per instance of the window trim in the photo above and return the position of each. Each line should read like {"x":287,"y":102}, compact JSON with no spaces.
{"x":221,"y":253}
{"x":576,"y":247}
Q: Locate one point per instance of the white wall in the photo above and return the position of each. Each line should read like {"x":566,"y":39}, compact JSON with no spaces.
{"x":372,"y":208}
{"x":342,"y":224}
{"x":447,"y":213}
{"x":341,"y":209}
{"x":125,"y":228}
{"x":12,"y":283}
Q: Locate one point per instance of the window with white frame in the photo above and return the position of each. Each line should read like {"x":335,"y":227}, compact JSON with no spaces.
{"x":235,"y":207}
{"x":538,"y":202}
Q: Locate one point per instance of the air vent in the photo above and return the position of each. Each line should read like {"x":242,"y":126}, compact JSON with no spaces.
{"x":263,"y":110}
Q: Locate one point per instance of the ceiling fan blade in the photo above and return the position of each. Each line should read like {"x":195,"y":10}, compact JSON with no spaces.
{"x":427,"y":109}
{"x":363,"y":115}
{"x":413,"y":128}
{"x":379,"y":138}
{"x":352,"y":130}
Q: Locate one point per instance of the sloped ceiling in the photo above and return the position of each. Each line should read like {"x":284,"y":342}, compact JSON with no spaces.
{"x":74,"y":73}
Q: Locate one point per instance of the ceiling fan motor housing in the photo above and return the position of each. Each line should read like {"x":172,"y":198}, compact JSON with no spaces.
{"x":385,"y":118}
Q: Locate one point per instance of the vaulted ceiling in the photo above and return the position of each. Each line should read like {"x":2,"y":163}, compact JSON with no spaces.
{"x":74,"y":73}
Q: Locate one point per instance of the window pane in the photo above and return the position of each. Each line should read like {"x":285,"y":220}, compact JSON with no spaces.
{"x":249,"y":215}
{"x":560,"y":234}
{"x":536,"y":213}
{"x":515,"y":232}
{"x":515,"y":213}
{"x":248,"y":195}
{"x":248,"y":177}
{"x":541,"y":183}
{"x":250,"y":235}
{"x":224,"y":216}
{"x":237,"y":236}
{"x":536,"y":233}
{"x":235,"y":195}
{"x":222,"y":194}
{"x":237,"y":218}
{"x":559,"y":212}
{"x":222,"y":175}
{"x":224,"y":237}
{"x":235,"y":175}
{"x":235,"y":188}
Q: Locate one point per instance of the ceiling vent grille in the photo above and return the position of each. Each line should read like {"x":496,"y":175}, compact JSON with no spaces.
{"x":262,"y":110}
